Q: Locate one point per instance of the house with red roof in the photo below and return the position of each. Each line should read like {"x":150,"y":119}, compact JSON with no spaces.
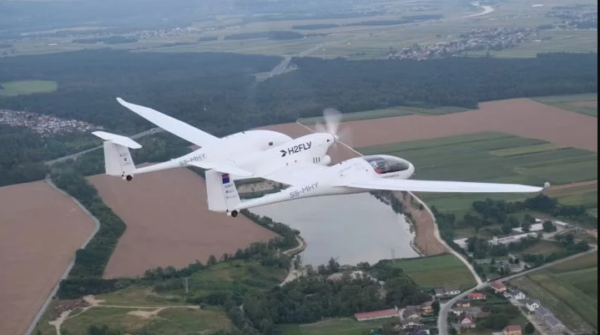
{"x":375,"y":315}
{"x":477,"y":296}
{"x":467,"y":322}
{"x":512,"y":330}
{"x":498,"y":286}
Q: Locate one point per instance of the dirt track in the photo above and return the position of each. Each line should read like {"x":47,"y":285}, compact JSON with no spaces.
{"x":168,"y":223}
{"x":40,"y":230}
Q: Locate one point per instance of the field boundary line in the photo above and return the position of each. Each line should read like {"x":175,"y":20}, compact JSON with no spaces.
{"x":436,"y":229}
{"x":44,"y":306}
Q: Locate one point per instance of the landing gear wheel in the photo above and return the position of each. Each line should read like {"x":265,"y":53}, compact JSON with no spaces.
{"x":129,"y":178}
{"x":234,"y":213}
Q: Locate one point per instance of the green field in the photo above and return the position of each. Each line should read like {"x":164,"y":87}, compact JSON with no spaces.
{"x":437,"y":271}
{"x":335,"y":326}
{"x":388,"y":112}
{"x":543,"y":247}
{"x":494,"y":157}
{"x":14,"y":88}
{"x":570,"y":103}
{"x":230,"y":276}
{"x":569,"y":290}
{"x":168,"y":321}
{"x":585,"y":194}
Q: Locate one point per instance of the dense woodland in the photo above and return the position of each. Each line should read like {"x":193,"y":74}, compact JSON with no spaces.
{"x":217,"y":92}
{"x":310,"y":299}
{"x":22,"y":153}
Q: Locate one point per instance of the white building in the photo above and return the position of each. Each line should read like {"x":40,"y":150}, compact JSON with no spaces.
{"x":511,"y":239}
{"x":534,"y":227}
{"x":532,"y":305}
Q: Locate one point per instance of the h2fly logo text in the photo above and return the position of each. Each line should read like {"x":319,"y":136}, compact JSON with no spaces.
{"x":296,"y":149}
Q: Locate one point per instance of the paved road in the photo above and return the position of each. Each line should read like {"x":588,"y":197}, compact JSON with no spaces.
{"x":445,"y":308}
{"x":77,"y":155}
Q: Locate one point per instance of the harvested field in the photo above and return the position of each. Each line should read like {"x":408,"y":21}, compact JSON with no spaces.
{"x":40,"y":231}
{"x":521,"y":117}
{"x":169,"y":224}
{"x":591,"y":104}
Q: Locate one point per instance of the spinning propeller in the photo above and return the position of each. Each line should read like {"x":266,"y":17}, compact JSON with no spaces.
{"x":333,"y":118}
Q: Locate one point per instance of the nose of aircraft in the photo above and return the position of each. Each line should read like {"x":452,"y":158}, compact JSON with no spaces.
{"x":411,"y":169}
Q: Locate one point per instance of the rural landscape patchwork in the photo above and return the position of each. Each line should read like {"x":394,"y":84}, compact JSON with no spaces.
{"x":500,"y":91}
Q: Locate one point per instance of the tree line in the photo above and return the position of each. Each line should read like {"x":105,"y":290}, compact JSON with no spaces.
{"x":23,"y":152}
{"x":86,"y":275}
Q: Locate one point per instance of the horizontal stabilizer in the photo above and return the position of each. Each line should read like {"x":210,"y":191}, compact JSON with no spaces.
{"x":223,"y":168}
{"x":118,"y":139}
{"x":412,"y":185}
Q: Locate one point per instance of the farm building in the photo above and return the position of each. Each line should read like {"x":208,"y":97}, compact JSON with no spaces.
{"x":447,"y":292}
{"x":532,"y":304}
{"x":515,"y":294}
{"x":498,"y":287}
{"x":510,"y":239}
{"x":554,"y":324}
{"x":513,"y":330}
{"x":375,"y":315}
{"x":534,"y":227}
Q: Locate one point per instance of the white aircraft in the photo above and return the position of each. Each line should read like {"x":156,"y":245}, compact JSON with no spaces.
{"x":248,"y":154}
{"x":356,"y":175}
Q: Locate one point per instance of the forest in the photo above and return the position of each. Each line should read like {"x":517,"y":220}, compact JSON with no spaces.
{"x":310,"y":298}
{"x":218,"y":93}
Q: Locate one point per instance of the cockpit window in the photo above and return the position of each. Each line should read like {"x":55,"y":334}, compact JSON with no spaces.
{"x":383,"y":165}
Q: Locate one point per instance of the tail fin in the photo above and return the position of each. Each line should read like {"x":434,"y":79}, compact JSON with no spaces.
{"x":117,"y":158}
{"x":222,"y":193}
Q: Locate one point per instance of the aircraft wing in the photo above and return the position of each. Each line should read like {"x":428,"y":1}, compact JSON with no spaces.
{"x":412,"y":185}
{"x":297,"y":174}
{"x":170,"y":124}
{"x":223,"y":168}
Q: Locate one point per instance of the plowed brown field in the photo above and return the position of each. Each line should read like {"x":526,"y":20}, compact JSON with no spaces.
{"x":169,"y":224}
{"x":521,"y":117}
{"x":40,"y":231}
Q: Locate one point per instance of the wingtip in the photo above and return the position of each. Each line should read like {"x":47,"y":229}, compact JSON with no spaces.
{"x":121,"y":101}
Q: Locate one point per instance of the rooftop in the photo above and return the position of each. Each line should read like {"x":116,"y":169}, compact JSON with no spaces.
{"x":498,"y":285}
{"x":553,"y":322}
{"x":512,"y":328}
{"x":377,"y":314}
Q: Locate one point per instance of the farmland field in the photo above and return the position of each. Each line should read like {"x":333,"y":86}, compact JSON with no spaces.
{"x":436,"y":271}
{"x":175,"y":228}
{"x":176,"y":321}
{"x":173,"y":318}
{"x":580,"y":103}
{"x":345,"y":326}
{"x":40,"y":231}
{"x":543,"y":247}
{"x":569,"y":290}
{"x":13,"y":88}
{"x":389,"y":112}
{"x":519,"y":117}
{"x":496,"y":157}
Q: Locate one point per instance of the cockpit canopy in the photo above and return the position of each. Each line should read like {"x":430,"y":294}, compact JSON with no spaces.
{"x":383,"y":164}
